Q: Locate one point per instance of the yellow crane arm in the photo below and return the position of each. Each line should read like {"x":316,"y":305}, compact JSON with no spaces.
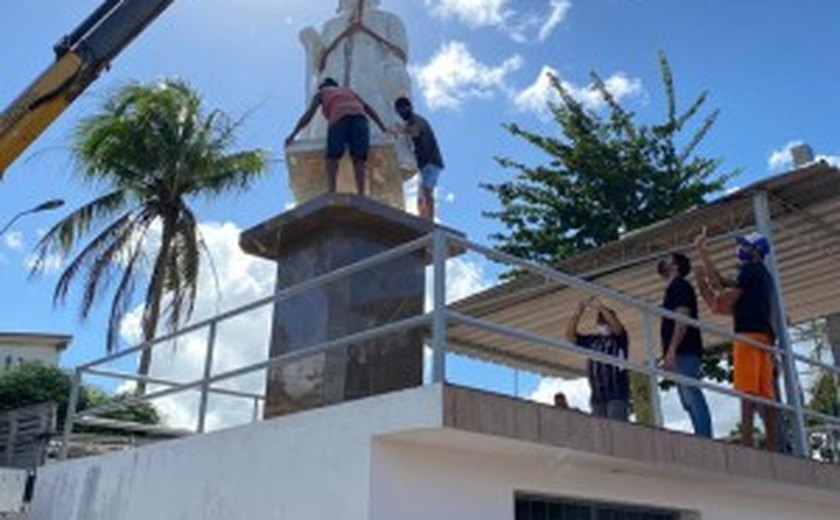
{"x":81,"y":56}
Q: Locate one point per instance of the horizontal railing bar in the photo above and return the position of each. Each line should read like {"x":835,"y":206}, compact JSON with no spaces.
{"x":308,"y":285}
{"x":819,"y":415}
{"x":607,"y":359}
{"x":159,"y":381}
{"x":385,"y":330}
{"x":610,"y":293}
{"x":816,"y":363}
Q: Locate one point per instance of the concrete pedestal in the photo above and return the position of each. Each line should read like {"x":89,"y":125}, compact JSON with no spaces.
{"x":320,"y":236}
{"x":385,"y":176}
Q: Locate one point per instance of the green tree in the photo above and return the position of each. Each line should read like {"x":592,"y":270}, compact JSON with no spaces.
{"x":604,"y":174}
{"x":150,"y":150}
{"x":34,"y":383}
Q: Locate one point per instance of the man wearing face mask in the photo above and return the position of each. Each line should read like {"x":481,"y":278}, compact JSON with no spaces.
{"x":748,"y":299}
{"x":609,"y":384}
{"x":683,"y":345}
{"x":426,"y":151}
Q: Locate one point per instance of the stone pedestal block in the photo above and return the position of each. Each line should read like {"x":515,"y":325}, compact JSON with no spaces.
{"x":308,"y":179}
{"x":320,"y":236}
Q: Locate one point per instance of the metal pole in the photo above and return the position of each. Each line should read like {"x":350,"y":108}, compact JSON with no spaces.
{"x":70,"y":414}
{"x":205,"y":381}
{"x":439,"y":254}
{"x":764,"y":223}
{"x":256,"y":414}
{"x":650,"y":361}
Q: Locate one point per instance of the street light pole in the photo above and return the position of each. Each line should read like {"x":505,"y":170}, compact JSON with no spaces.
{"x":44,"y":206}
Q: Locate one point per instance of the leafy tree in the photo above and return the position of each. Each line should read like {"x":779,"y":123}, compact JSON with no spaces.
{"x":604,"y":174}
{"x":150,"y":150}
{"x":30,"y":384}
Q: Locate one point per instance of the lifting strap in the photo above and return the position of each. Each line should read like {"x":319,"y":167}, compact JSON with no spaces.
{"x":358,"y":26}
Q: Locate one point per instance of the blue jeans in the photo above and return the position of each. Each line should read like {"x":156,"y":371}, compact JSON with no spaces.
{"x":692,"y":398}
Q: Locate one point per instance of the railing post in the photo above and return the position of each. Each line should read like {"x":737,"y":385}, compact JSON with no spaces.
{"x":764,"y":223}
{"x":205,"y":384}
{"x":255,"y":416}
{"x":70,"y":414}
{"x":650,"y":362}
{"x":439,"y":254}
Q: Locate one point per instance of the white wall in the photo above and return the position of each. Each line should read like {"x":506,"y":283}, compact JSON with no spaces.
{"x":27,"y":353}
{"x":419,"y":482}
{"x":309,"y":466}
{"x":12,"y":486}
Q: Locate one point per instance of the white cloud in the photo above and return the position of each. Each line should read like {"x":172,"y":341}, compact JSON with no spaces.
{"x":558,"y":11}
{"x":454,"y":75}
{"x":51,"y":264}
{"x":516,"y":23}
{"x":535,"y":98}
{"x":240,"y":341}
{"x":14,"y":240}
{"x":782,"y":159}
{"x":475,"y":13}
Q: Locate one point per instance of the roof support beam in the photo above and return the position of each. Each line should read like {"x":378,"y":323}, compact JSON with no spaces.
{"x":764,"y":223}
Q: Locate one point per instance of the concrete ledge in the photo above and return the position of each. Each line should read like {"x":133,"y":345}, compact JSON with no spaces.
{"x":490,"y":414}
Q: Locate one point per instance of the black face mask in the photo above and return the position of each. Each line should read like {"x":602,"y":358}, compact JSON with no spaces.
{"x":405,"y":114}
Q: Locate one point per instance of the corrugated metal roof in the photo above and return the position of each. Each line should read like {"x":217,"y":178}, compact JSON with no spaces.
{"x":805,"y":204}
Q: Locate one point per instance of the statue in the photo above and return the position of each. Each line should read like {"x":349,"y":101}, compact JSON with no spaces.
{"x":365,"y":49}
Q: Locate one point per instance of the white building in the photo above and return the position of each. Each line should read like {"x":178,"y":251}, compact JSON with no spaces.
{"x":439,"y":452}
{"x":17,"y":348}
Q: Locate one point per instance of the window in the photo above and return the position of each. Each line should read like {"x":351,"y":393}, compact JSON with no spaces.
{"x":542,"y":508}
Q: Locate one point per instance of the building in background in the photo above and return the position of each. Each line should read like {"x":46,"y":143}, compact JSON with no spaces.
{"x":21,"y":347}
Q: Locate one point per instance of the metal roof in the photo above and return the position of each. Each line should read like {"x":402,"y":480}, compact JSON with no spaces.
{"x":805,"y":206}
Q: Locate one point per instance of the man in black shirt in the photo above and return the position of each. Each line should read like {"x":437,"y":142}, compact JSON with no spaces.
{"x":427,"y":153}
{"x":609,"y":384}
{"x":748,"y":299}
{"x":682,"y":345}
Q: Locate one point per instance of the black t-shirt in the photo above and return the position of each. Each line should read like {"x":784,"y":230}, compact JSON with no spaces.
{"x":607,"y":382}
{"x":752,"y":311}
{"x":680,"y":293}
{"x":425,"y":143}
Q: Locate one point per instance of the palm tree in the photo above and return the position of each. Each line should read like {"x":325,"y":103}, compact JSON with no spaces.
{"x":150,"y":149}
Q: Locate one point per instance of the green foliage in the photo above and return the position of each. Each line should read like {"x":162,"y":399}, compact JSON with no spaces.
{"x":825,"y":399}
{"x":149,"y":150}
{"x":604,"y":174}
{"x":34,"y":383}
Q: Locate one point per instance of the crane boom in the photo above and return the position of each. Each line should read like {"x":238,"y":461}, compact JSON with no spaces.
{"x":80,"y":57}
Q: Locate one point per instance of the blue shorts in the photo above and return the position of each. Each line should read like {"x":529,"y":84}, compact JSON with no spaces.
{"x":349,"y":131}
{"x":429,"y":176}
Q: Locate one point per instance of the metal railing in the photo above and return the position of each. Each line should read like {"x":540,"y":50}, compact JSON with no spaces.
{"x":437,"y":323}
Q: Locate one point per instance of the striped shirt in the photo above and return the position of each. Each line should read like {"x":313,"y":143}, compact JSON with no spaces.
{"x":607,"y":382}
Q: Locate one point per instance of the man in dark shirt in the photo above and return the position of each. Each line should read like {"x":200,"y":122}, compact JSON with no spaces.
{"x":427,"y":153}
{"x":748,"y":299}
{"x":609,"y":384}
{"x":683,"y":345}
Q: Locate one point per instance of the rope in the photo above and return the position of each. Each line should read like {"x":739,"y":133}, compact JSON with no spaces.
{"x":358,"y":26}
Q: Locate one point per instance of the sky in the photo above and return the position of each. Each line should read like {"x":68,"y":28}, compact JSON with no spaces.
{"x":475,"y":64}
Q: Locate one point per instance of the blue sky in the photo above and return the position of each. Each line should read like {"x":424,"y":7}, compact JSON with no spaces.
{"x":477,"y":64}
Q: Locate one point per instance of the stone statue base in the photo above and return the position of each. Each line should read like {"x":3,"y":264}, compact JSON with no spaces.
{"x":308,"y":178}
{"x":318,"y":237}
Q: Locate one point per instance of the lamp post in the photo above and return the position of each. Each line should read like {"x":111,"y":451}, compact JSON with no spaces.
{"x":44,"y":206}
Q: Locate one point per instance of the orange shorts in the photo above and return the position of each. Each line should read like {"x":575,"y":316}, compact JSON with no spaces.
{"x":754,"y":372}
